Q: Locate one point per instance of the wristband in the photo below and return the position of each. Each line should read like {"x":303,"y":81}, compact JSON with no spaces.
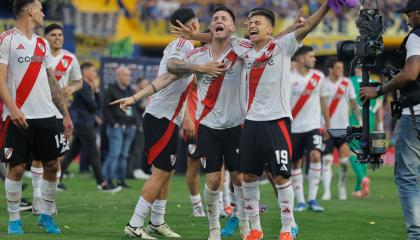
{"x":154,"y":88}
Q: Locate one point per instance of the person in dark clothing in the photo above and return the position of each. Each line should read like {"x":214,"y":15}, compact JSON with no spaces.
{"x":121,"y":128}
{"x":137,"y":165}
{"x":85,"y":104}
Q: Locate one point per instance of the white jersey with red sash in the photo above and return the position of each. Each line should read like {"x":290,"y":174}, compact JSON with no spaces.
{"x":305,"y":102}
{"x":27,"y":80}
{"x":164,"y":102}
{"x":219,"y":99}
{"x":169,"y":102}
{"x":66,"y":68}
{"x":268,"y":77}
{"x":339,"y":95}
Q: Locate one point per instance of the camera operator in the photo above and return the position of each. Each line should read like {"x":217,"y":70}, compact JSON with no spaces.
{"x":407,"y":158}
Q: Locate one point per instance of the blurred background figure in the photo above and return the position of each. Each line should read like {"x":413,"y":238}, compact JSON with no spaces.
{"x":120,"y":128}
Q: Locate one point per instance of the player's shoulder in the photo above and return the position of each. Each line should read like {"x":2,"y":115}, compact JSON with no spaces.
{"x":242,"y":42}
{"x":6,"y":36}
{"x":68,"y":53}
{"x":181,"y":43}
{"x":317,"y":72}
{"x":198,"y":51}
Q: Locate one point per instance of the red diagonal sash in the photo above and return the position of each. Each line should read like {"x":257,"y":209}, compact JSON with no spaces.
{"x":213,"y":92}
{"x":336,"y":99}
{"x":27,"y":82}
{"x":62,"y":67}
{"x":256,"y":73}
{"x":157,"y":148}
{"x":310,"y":87}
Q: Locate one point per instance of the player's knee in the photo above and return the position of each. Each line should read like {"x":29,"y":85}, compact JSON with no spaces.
{"x":51,"y":166}
{"x":282,"y":179}
{"x":15,"y":172}
{"x":213,"y":180}
{"x":236,"y":178}
{"x":250,"y":177}
{"x":315,"y":156}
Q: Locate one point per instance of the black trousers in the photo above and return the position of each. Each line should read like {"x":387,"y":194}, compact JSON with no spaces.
{"x":84,"y":139}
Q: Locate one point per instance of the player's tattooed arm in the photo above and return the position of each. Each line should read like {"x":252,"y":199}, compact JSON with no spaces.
{"x":56,"y":94}
{"x":72,"y":87}
{"x":181,"y":67}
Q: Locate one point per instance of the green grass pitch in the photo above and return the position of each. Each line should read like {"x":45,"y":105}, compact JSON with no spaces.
{"x":85,"y":213}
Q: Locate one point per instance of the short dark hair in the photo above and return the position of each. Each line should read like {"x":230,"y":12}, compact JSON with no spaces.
{"x":86,"y":65}
{"x":183,"y":15}
{"x":224,"y":9}
{"x":331,"y":61}
{"x":302,"y":51}
{"x":51,"y":27}
{"x":19,"y":5}
{"x":260,"y":11}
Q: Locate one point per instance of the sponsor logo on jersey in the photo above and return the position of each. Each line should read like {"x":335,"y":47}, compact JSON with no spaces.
{"x":31,"y":59}
{"x":8,"y":153}
{"x":173,"y":160}
{"x":262,"y":64}
{"x":20,"y":47}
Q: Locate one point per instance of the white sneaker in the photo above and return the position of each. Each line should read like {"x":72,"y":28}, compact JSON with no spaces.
{"x":36,"y":206}
{"x":326,"y":196}
{"x":198,"y":212}
{"x":342,"y":192}
{"x":140,"y":174}
{"x":215,"y":234}
{"x":137,"y":232}
{"x":163,"y":230}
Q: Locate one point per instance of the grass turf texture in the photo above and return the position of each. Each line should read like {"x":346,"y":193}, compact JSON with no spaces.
{"x":85,"y":213}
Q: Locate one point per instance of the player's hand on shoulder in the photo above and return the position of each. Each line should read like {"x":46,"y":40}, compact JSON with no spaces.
{"x":213,"y":68}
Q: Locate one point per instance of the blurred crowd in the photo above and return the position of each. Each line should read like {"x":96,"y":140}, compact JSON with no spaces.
{"x":161,"y":9}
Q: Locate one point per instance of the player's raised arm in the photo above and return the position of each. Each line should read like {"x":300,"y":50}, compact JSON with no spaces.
{"x":190,"y":33}
{"x":311,"y":22}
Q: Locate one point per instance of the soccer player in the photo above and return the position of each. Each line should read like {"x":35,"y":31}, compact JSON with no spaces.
{"x":340,"y":94}
{"x":308,"y":101}
{"x":192,"y":174}
{"x":219,"y":116}
{"x":265,"y":138}
{"x":67,"y":73}
{"x":29,"y":90}
{"x":160,"y":128}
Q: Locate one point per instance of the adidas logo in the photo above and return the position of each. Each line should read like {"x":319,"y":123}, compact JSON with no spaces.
{"x":283,"y":168}
{"x":20,"y":46}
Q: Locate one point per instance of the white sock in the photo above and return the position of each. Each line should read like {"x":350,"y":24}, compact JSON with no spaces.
{"x":243,"y":218}
{"x":212,"y":202}
{"x":327,"y":172}
{"x":285,"y":202}
{"x":233,"y":203}
{"x":314,"y":176}
{"x":297,"y":183}
{"x":226,"y":190}
{"x":13,"y":196}
{"x":58,"y":176}
{"x":158,"y":212}
{"x":36,"y":181}
{"x":48,"y":191}
{"x":196,"y":202}
{"x":343,"y":170}
{"x":252,"y":198}
{"x":140,"y":213}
